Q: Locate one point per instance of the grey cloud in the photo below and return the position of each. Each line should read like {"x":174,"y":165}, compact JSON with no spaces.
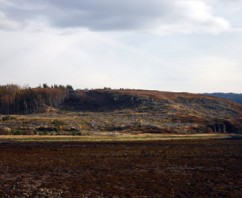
{"x":91,"y":14}
{"x":8,"y":24}
{"x":104,"y":15}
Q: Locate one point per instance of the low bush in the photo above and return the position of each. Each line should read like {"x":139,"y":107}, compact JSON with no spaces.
{"x":58,"y":123}
{"x":5,"y":130}
{"x":8,"y":117}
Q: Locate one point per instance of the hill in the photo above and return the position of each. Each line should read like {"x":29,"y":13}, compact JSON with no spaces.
{"x":230,"y":96}
{"x":60,"y":110}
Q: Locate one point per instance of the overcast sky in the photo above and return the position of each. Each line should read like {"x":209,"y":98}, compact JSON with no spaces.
{"x":168,"y":45}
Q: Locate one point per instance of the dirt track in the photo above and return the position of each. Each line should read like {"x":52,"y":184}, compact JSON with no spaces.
{"x":191,"y":168}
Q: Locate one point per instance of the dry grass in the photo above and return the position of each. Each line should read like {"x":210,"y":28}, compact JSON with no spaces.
{"x":106,"y":137}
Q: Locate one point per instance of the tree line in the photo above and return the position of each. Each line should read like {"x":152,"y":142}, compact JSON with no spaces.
{"x":16,"y":99}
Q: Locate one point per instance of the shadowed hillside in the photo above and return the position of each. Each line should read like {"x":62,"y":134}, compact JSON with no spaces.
{"x":121,"y":111}
{"x":230,"y":96}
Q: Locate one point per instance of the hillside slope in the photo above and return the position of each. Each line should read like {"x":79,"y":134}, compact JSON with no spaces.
{"x":136,"y":111}
{"x":164,"y":111}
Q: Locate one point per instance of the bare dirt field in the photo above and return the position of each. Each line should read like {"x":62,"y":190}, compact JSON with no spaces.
{"x":168,"y":168}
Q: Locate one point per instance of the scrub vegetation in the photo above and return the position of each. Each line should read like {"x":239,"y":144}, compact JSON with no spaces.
{"x":61,"y":110}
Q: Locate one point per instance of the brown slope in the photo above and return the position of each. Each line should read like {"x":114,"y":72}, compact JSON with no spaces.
{"x":156,"y":111}
{"x":128,"y":111}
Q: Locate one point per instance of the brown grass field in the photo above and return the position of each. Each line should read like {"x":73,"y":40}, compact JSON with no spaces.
{"x":112,"y":137}
{"x":92,"y":167}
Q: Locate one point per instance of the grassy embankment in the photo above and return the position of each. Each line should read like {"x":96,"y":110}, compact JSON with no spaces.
{"x":113,"y":138}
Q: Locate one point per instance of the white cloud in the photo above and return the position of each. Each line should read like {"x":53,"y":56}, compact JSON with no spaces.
{"x":193,"y":16}
{"x":92,"y":59}
{"x":83,"y":59}
{"x":99,"y":43}
{"x":213,"y":73}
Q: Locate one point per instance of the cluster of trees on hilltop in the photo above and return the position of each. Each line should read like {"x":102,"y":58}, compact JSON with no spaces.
{"x":16,"y":99}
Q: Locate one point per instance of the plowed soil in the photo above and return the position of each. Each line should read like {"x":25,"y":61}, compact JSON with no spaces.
{"x":178,"y":168}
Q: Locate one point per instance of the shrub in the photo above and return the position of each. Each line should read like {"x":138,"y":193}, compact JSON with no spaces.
{"x":58,"y":123}
{"x":17,"y":132}
{"x":5,"y":118}
{"x":5,"y":130}
{"x":46,"y":129}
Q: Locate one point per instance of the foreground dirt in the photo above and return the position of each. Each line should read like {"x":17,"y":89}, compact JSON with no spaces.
{"x":178,"y":168}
